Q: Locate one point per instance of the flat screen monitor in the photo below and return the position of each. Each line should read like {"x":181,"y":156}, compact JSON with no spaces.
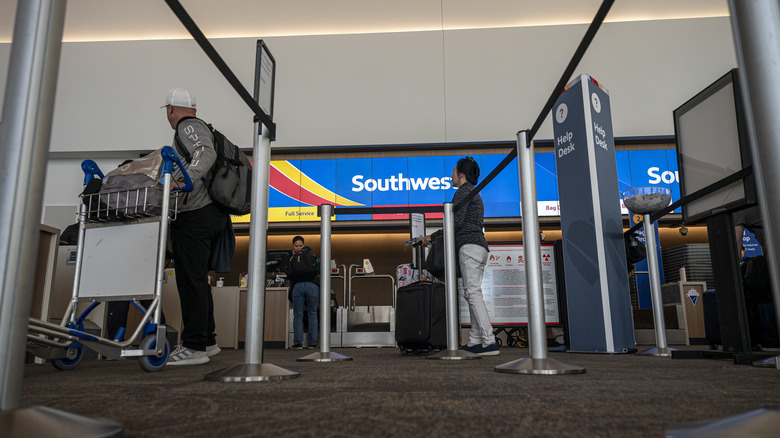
{"x":276,"y":260}
{"x":712,"y":143}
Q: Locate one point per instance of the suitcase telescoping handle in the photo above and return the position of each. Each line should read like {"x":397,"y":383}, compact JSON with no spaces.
{"x":170,"y":157}
{"x":91,"y":170}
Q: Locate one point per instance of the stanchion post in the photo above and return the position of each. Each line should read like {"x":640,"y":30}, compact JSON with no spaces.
{"x":325,"y":355}
{"x":254,"y":370}
{"x":28,"y":108}
{"x":325,"y":241}
{"x":24,"y":140}
{"x":755,"y":27}
{"x":661,"y":348}
{"x":537,"y":336}
{"x":453,"y":351}
{"x":450,"y":283}
{"x":538,"y":363}
{"x":258,"y":235}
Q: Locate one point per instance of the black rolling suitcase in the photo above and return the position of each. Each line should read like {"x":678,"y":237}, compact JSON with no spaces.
{"x":421,"y":318}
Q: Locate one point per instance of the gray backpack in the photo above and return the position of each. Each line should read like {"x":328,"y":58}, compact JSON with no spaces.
{"x":230,"y":179}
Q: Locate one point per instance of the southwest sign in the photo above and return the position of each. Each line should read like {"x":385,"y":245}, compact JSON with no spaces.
{"x":297,"y":187}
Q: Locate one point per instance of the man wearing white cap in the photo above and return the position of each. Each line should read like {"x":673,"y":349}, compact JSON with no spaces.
{"x":194,"y":232}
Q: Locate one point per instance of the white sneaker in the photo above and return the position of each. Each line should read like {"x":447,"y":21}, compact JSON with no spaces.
{"x":213,"y":350}
{"x":185,"y":356}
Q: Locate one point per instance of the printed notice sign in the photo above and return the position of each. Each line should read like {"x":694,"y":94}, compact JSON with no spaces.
{"x":504,"y":291}
{"x":264,"y":76}
{"x":418,"y":225}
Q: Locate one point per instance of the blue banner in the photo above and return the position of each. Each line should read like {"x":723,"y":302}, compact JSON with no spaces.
{"x":298,"y":186}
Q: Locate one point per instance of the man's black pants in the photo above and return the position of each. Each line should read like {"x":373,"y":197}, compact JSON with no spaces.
{"x":194,"y":235}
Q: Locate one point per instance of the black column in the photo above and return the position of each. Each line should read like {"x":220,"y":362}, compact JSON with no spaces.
{"x":729,"y":295}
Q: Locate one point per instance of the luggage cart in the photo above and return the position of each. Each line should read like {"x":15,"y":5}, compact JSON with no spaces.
{"x":120,"y":257}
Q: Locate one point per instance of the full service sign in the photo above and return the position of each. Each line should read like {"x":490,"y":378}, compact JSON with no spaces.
{"x":299,"y":186}
{"x":503,"y":287}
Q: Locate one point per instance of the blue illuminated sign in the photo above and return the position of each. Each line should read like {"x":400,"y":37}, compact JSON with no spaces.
{"x":298,"y":186}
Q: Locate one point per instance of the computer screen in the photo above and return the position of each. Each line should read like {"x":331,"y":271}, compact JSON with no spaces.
{"x":276,"y":260}
{"x":712,"y":143}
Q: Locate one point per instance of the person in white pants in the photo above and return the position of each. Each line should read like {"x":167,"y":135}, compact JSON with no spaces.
{"x":473,"y":251}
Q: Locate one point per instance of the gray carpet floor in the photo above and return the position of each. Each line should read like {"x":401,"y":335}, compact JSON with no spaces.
{"x":383,"y":394}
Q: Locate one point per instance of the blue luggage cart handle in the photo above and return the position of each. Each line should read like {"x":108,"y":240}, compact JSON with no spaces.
{"x":91,"y":170}
{"x":170,"y":157}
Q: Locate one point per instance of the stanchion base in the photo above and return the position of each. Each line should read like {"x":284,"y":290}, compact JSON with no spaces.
{"x":454,"y":355}
{"x":761,"y":422}
{"x":44,"y":421}
{"x":251,"y":372}
{"x":659,"y":352}
{"x":324,"y":356}
{"x":539,"y":366}
{"x":770,"y":362}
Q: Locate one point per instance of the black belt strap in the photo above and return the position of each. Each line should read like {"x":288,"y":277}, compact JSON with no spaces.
{"x":211,"y":52}
{"x":575,"y":60}
{"x":731,"y":179}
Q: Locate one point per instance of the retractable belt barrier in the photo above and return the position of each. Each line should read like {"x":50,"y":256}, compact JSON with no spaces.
{"x":212,"y":53}
{"x":714,"y":187}
{"x":529,"y":190}
{"x":325,"y":210}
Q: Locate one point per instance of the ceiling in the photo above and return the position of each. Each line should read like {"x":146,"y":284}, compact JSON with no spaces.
{"x":119,"y":20}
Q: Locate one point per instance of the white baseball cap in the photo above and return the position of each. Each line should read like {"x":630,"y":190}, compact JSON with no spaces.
{"x":180,"y":97}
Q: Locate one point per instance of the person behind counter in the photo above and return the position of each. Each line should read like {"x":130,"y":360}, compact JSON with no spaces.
{"x":303,"y":272}
{"x":472,"y":248}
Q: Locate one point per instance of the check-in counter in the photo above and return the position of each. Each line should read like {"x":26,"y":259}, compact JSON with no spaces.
{"x":230,"y":314}
{"x":275,"y":321}
{"x":230,"y":304}
{"x":691,"y":295}
{"x":683,"y":315}
{"x":41,"y":308}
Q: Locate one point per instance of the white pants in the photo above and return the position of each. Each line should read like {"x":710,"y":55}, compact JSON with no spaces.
{"x":472,"y":267}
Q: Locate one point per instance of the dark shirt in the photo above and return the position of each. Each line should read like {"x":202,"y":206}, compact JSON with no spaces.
{"x":468,"y":219}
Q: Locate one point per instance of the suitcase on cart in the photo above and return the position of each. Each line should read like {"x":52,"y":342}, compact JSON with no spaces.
{"x":421,"y":318}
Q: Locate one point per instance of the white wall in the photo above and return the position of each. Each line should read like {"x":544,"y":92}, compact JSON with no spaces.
{"x":373,"y":89}
{"x":498,"y":80}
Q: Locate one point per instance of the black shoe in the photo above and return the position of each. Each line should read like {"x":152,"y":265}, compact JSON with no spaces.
{"x":314,"y":347}
{"x":470,"y":348}
{"x":297,"y":347}
{"x":488,"y":350}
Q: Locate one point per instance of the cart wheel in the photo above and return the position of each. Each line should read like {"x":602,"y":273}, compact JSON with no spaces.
{"x":511,"y":342}
{"x":153,"y":363}
{"x":69,"y":364}
{"x":499,"y":341}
